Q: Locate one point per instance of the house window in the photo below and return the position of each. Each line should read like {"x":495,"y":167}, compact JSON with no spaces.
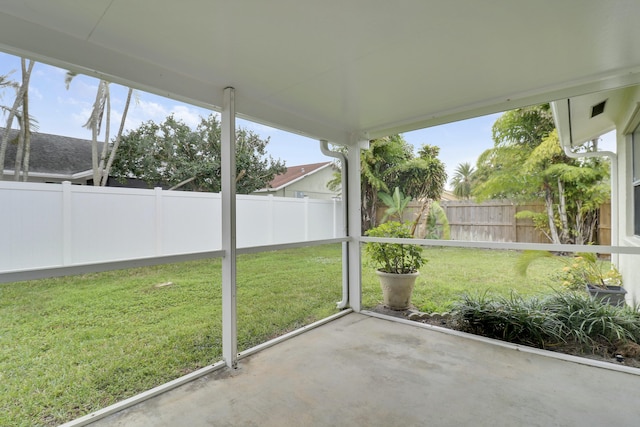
{"x":636,"y":180}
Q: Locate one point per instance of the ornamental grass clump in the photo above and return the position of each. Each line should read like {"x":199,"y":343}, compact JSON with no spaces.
{"x":395,"y":258}
{"x":513,"y":319}
{"x":562,"y":319}
{"x":591,"y":321}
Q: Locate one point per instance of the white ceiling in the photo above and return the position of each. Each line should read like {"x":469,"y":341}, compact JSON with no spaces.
{"x":337,"y":69}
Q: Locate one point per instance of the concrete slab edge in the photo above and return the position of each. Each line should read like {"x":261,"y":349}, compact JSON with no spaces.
{"x":504,"y":344}
{"x":139,"y":398}
{"x":134,"y":400}
{"x":292,"y":334}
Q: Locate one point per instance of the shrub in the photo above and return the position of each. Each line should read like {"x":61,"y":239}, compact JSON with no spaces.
{"x":584,"y":269}
{"x":563,"y":318}
{"x":512,"y":319}
{"x":395,"y":258}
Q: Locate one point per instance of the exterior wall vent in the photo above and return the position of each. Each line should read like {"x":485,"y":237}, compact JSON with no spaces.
{"x":598,"y":109}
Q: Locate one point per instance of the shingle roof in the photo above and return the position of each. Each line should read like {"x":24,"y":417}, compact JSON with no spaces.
{"x":294,"y":173}
{"x":52,"y":154}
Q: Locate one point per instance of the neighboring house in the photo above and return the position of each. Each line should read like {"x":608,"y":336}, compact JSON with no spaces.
{"x":303,"y":181}
{"x":583,"y":118}
{"x":53,"y":158}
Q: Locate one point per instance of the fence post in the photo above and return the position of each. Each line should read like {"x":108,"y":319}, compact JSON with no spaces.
{"x":306,"y":218}
{"x":66,"y":223}
{"x":158,"y":219}
{"x":270,"y":237}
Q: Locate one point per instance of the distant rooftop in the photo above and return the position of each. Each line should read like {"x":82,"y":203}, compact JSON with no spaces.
{"x":294,"y":173}
{"x":51,"y":154}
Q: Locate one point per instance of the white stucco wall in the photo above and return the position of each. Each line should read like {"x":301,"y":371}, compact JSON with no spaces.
{"x":313,"y":186}
{"x":629,"y":265}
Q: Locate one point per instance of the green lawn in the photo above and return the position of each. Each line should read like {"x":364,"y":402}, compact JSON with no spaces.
{"x":452,"y":272}
{"x":69,"y":346}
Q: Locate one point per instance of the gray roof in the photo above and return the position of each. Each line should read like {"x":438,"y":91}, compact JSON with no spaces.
{"x":52,"y":154}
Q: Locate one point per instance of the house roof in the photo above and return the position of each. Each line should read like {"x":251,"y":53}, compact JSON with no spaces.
{"x":583,"y":118}
{"x":52,"y":155}
{"x":294,"y":174}
{"x":341,"y":71}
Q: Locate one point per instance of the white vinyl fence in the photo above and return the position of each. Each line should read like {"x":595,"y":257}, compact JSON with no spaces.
{"x":52,"y":225}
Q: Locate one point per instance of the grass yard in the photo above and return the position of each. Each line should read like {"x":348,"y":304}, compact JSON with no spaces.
{"x":453,"y":272}
{"x":69,"y":346}
{"x":72,"y":345}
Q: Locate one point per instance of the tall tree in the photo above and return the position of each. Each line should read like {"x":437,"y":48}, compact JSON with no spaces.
{"x":101,"y":160}
{"x":527,"y":163}
{"x":173,"y":155}
{"x":388,"y":163}
{"x":18,"y":110}
{"x":423,"y":178}
{"x":462,"y":180}
{"x":378,"y":173}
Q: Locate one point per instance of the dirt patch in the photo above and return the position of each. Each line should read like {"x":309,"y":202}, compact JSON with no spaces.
{"x":625,"y":354}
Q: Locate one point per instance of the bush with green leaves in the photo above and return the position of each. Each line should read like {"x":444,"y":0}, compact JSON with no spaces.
{"x":564,"y":318}
{"x":579,"y":271}
{"x":585,"y":269}
{"x":589,"y":320}
{"x":397,"y":258}
{"x":513,"y":319}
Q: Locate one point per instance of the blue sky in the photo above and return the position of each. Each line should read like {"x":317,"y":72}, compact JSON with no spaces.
{"x":63,"y":112}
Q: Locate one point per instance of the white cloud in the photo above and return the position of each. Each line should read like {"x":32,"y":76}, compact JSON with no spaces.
{"x":68,"y":100}
{"x":188,"y":115}
{"x":80,"y":117}
{"x":149,"y":111}
{"x":35,"y":93}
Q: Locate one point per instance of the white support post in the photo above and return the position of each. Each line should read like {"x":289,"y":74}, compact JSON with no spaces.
{"x":228,"y":171}
{"x":354,"y":208}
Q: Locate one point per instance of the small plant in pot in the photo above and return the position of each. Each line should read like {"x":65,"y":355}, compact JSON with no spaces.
{"x":602,"y":282}
{"x":397,"y":263}
{"x":584,"y":271}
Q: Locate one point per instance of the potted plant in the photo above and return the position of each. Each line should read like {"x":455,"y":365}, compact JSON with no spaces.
{"x":585,"y":272}
{"x":397,"y":264}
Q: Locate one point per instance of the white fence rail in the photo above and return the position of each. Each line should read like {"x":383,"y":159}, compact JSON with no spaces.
{"x":53,"y":225}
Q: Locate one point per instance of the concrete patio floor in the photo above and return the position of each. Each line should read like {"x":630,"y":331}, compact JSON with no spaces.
{"x":361,"y":370}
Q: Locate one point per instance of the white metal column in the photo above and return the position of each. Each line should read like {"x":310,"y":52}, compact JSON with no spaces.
{"x":354,"y":219}
{"x":228,"y":171}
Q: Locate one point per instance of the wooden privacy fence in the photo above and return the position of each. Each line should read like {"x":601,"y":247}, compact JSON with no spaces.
{"x":495,"y":221}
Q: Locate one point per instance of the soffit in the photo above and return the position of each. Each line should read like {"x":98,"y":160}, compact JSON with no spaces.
{"x":339,"y":70}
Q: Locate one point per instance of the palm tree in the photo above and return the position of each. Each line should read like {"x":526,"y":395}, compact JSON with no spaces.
{"x":24,"y":121}
{"x":462,"y":180}
{"x":102,"y":106}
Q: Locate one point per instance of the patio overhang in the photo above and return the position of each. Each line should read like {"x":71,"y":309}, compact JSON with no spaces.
{"x":344,"y":72}
{"x":336,"y":71}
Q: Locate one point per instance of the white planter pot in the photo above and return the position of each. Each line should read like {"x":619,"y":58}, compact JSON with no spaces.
{"x":397,"y":289}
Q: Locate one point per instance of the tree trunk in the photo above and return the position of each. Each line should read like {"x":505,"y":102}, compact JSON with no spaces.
{"x":94,"y":124}
{"x":112,"y":155}
{"x":548,"y":202}
{"x":424,"y":210}
{"x":565,"y":234}
{"x":27,"y":133}
{"x":105,"y":146}
{"x":17,"y":166}
{"x":26,"y":126}
{"x":12,"y":113}
{"x":579,"y":225}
